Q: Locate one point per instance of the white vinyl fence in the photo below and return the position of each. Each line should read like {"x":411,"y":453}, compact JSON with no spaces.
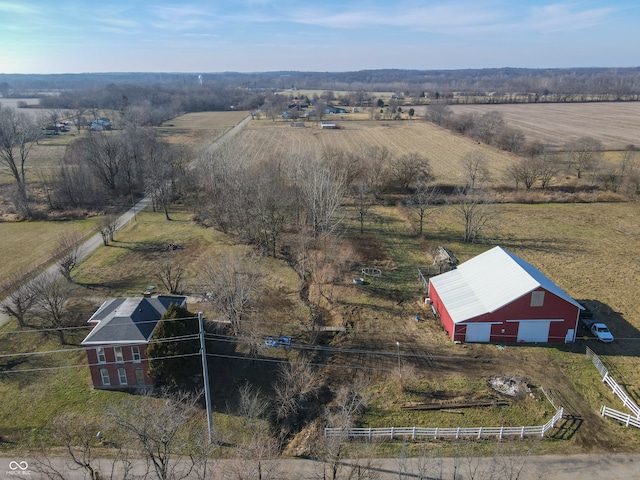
{"x":622,"y":417}
{"x":619,"y":391}
{"x":415,"y":432}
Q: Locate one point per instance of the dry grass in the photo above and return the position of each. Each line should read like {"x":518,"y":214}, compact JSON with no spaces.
{"x":263,"y":138}
{"x":28,"y":244}
{"x":615,"y":124}
{"x":194,"y":129}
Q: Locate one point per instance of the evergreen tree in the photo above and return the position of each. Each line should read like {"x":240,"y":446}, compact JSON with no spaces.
{"x":176,"y":371}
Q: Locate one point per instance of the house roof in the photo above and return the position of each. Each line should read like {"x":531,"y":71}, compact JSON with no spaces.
{"x":128,"y":320}
{"x":490,"y":281}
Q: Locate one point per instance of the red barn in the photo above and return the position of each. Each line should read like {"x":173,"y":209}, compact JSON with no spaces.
{"x":498,"y":297}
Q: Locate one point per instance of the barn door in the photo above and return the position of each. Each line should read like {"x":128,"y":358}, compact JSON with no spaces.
{"x":478,"y":332}
{"x":531,"y":331}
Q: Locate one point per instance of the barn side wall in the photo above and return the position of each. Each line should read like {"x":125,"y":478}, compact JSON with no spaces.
{"x":554,"y":308}
{"x":447,"y":322}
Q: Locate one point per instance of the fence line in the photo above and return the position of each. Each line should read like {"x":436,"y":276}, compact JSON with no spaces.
{"x":474,"y":432}
{"x":610,"y":381}
{"x":622,"y":395}
{"x":625,"y":418}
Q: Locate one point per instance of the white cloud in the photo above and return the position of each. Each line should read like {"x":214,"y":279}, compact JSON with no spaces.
{"x":566,"y":16}
{"x":18,"y":8}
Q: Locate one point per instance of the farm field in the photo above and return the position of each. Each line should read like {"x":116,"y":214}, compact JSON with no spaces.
{"x":193,"y":129}
{"x":26,"y":245}
{"x":444,"y":149}
{"x":616,"y":125}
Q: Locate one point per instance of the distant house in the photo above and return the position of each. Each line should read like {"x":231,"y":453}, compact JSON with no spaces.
{"x":117,"y":345}
{"x":498,"y":297}
{"x":331,"y":109}
{"x":100,"y":124}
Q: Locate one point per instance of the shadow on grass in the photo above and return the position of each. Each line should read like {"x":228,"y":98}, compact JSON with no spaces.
{"x":568,"y":428}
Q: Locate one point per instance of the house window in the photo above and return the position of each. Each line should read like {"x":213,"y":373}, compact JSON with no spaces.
{"x":118,"y":353}
{"x":135,"y":353}
{"x":139,"y":376}
{"x":102,"y":358}
{"x":104,"y":373}
{"x":122,"y":376}
{"x":537,"y":298}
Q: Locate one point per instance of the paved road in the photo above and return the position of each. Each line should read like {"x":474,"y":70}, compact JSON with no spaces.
{"x":96,"y":240}
{"x":556,"y":467}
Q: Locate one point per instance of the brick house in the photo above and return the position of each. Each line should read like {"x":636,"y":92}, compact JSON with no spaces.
{"x":117,"y":345}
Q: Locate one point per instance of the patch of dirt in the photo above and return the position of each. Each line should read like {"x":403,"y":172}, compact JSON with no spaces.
{"x":509,"y":386}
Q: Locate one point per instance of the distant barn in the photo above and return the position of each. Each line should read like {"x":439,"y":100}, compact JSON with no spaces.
{"x":498,"y":297}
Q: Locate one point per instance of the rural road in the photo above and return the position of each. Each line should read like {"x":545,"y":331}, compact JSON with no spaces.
{"x":95,"y":241}
{"x":556,"y":467}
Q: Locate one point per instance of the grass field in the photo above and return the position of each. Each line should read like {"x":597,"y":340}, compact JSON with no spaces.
{"x":263,"y":138}
{"x":615,"y":124}
{"x":196,"y":129}
{"x":28,"y":244}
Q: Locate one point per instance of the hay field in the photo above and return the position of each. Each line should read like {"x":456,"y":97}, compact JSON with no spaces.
{"x":193,"y":129}
{"x":263,"y":138}
{"x":615,"y":124}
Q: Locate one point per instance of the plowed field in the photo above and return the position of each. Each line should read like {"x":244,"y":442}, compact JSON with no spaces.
{"x":615,"y":124}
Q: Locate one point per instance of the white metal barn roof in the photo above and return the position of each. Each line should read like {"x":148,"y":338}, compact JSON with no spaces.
{"x":489,"y":281}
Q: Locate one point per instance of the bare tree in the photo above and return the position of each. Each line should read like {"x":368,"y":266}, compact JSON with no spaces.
{"x":348,"y":406}
{"x":103,"y":152}
{"x":81,"y":440}
{"x":488,"y":126}
{"x":170,"y":275}
{"x":410,"y":169}
{"x":438,"y":112}
{"x":21,"y":301}
{"x":158,"y":430}
{"x":257,"y":450}
{"x":584,"y":154}
{"x":18,"y":134}
{"x":69,"y":249}
{"x":296,"y":386}
{"x":108,"y":226}
{"x":53,"y":293}
{"x":231,"y":284}
{"x":362,"y":191}
{"x":422,"y":198}
{"x":477,"y":212}
{"x":525,"y":170}
{"x":322,"y":189}
{"x":475,"y":169}
{"x":511,"y":140}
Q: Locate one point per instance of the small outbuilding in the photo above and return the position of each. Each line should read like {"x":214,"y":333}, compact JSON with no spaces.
{"x":498,"y":297}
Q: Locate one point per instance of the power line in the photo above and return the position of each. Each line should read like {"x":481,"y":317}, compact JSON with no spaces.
{"x":181,"y":338}
{"x":61,"y":367}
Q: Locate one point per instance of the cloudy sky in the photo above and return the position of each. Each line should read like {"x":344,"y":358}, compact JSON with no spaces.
{"x":70,"y":36}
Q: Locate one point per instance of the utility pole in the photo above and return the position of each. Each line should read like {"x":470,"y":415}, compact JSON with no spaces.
{"x":399,"y":365}
{"x":205,"y":375}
